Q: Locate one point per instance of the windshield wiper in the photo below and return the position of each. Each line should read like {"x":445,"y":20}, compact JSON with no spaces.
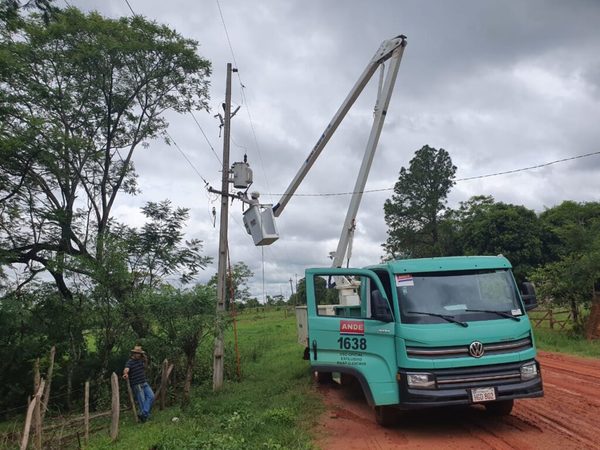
{"x":500,"y":313}
{"x":441,"y":316}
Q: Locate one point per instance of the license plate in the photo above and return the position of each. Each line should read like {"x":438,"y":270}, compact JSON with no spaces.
{"x":483,"y":394}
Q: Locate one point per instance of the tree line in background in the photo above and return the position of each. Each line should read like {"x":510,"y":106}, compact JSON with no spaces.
{"x":558,"y":249}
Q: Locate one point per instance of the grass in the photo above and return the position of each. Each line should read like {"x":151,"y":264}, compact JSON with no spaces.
{"x":565,"y":342}
{"x":562,"y":340}
{"x":272,"y":407}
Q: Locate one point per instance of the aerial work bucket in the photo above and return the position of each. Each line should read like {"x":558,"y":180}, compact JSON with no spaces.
{"x":260,"y":223}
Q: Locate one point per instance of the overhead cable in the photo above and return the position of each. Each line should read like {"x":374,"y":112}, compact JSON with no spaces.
{"x":477,"y":177}
{"x":244,"y":99}
{"x":206,"y":137}
{"x":186,"y":158}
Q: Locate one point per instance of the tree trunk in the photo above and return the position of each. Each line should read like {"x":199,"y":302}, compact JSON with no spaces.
{"x":592,"y":329}
{"x":189,"y":375}
{"x":574,"y":312}
{"x":74,"y":359}
{"x":70,"y":370}
{"x":108,"y":345}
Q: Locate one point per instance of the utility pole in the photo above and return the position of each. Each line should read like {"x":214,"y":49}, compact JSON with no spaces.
{"x":219,"y":352}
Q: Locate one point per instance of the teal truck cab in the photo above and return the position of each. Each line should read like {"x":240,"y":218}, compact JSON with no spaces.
{"x":420,"y":333}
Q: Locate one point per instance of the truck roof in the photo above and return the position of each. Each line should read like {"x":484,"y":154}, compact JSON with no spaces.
{"x":443,"y":264}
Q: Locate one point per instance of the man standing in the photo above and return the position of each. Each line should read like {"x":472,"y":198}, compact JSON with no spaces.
{"x":135,"y":372}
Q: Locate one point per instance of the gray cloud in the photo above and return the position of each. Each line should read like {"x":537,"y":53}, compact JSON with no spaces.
{"x":500,"y":85}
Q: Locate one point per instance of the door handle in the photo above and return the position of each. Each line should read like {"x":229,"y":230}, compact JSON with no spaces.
{"x":314,"y":348}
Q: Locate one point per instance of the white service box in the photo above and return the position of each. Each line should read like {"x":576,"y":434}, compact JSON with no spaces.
{"x":260,"y":224}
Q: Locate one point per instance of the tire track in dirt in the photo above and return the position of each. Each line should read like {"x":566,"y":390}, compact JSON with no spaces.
{"x":567,"y":417}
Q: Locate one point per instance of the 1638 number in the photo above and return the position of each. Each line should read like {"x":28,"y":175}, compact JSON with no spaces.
{"x":348,"y":343}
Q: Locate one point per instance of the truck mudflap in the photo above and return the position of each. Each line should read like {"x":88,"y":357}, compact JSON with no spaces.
{"x":459,"y":386}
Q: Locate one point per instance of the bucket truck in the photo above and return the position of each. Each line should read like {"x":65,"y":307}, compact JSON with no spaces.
{"x":414,"y":333}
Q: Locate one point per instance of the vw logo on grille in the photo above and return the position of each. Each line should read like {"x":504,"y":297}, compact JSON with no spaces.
{"x":476,"y":349}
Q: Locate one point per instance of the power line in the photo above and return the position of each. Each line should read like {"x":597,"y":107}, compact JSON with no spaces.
{"x":244,"y":99}
{"x":186,"y":158}
{"x":530,"y":167}
{"x":523,"y":169}
{"x":130,"y":8}
{"x":227,"y":35}
{"x":206,"y":137}
{"x":197,"y":123}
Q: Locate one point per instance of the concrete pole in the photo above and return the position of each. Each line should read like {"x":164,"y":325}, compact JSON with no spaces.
{"x":219,"y":351}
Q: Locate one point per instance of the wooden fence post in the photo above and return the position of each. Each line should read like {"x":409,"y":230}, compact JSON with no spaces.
{"x":116,"y":408}
{"x":37,"y":410}
{"x":163,"y":384}
{"x":86,"y":412}
{"x":132,"y":401}
{"x":551,"y":319}
{"x":164,"y":387}
{"x":46,"y":397}
{"x":35,"y":401}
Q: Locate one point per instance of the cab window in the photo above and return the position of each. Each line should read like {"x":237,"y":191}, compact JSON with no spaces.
{"x":349,"y":297}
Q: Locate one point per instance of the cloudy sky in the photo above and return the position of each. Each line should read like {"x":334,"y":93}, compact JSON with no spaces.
{"x":500,"y":85}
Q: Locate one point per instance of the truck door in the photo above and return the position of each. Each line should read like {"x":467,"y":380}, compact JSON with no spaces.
{"x":351,"y":329}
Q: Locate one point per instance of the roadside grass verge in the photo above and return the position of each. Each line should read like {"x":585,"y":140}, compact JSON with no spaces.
{"x":272,"y":407}
{"x":565,"y":342}
{"x":562,"y":338}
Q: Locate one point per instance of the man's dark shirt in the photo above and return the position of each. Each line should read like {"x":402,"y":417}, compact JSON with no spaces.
{"x":136,"y":371}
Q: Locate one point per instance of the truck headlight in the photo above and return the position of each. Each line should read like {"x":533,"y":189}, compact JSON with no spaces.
{"x":529,"y":371}
{"x":420,"y":380}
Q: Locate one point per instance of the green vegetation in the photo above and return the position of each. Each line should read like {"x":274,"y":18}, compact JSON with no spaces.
{"x":565,"y":342}
{"x":272,"y":407}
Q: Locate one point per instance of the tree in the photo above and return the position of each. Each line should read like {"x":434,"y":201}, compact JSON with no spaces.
{"x":487,"y":227}
{"x":9,"y":11}
{"x":182,"y":318}
{"x":453,"y":222}
{"x":412,"y":214}
{"x":568,"y":228}
{"x":80,"y":94}
{"x":236,"y":282}
{"x":571,"y":274}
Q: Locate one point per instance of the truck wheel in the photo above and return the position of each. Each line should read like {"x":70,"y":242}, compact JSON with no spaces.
{"x":501,"y":408}
{"x":386,"y":416}
{"x":324,"y":377}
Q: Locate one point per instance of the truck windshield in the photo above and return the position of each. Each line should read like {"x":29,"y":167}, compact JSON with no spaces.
{"x":464,"y":296}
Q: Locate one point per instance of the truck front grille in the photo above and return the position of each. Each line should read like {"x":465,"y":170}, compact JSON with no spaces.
{"x":493,"y":375}
{"x":494,"y":348}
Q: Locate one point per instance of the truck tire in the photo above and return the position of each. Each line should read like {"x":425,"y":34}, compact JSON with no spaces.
{"x":324,"y":377}
{"x":386,"y":415}
{"x":501,"y":408}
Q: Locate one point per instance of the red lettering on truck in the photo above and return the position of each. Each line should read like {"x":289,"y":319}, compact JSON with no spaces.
{"x":352,"y":327}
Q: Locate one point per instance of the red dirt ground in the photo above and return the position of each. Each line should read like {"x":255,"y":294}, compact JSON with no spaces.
{"x":567,"y":417}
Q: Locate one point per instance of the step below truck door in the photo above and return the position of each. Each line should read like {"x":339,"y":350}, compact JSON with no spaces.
{"x":351,"y":329}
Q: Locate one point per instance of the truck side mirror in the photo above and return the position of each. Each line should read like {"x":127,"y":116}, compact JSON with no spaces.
{"x":528,"y":295}
{"x":380,"y":308}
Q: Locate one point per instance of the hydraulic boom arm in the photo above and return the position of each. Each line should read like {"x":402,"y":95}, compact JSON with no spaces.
{"x":389,"y":49}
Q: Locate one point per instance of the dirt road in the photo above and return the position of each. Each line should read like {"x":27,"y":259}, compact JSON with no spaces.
{"x":567,"y":417}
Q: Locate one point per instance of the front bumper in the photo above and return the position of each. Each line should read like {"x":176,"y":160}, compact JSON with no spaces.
{"x":453,"y":386}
